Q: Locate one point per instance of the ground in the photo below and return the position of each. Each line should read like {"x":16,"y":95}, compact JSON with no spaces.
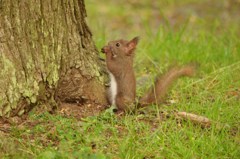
{"x":206,"y":32}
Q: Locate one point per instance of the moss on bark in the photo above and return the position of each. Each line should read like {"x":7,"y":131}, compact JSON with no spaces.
{"x":46,"y":42}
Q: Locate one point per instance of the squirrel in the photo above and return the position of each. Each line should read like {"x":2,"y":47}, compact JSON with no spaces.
{"x":122,"y":92}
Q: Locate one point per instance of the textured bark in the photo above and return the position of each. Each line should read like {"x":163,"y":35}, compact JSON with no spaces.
{"x":46,"y":51}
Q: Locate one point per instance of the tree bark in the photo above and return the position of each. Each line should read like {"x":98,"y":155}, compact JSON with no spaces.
{"x":47,"y":54}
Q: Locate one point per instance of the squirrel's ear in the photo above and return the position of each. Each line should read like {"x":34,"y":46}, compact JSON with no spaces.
{"x":131,"y":45}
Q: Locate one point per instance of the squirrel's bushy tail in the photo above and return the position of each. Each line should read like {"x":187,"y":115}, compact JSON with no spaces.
{"x":162,"y":84}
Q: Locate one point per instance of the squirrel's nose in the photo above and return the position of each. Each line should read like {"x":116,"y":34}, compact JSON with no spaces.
{"x":105,"y":49}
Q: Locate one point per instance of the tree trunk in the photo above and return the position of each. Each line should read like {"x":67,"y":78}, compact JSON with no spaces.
{"x":47,"y":53}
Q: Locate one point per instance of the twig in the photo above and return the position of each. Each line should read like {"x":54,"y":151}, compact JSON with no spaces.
{"x":203,"y":121}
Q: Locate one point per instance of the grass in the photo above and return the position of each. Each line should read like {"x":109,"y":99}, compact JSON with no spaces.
{"x":171,"y":32}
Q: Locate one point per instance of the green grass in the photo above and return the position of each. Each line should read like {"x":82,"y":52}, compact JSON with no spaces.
{"x":210,"y":38}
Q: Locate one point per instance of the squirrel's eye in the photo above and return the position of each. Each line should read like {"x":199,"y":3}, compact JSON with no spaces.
{"x":117,"y":44}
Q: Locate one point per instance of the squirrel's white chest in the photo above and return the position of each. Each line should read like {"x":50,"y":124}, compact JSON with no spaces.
{"x":113,"y":89}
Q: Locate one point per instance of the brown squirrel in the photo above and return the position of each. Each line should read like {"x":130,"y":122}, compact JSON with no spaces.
{"x":122,"y":94}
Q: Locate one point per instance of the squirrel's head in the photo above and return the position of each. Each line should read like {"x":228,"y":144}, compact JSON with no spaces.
{"x":120,"y":48}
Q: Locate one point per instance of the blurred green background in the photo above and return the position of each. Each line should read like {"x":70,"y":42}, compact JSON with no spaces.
{"x":171,"y":30}
{"x":114,"y":19}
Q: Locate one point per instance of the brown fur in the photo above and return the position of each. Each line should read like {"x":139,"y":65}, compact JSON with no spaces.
{"x":162,"y":84}
{"x":119,"y":59}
